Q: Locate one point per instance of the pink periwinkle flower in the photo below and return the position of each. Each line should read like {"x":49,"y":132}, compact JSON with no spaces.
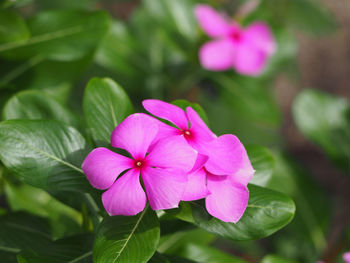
{"x":346,"y":257}
{"x":222,"y":170}
{"x":244,"y":49}
{"x":163,"y":168}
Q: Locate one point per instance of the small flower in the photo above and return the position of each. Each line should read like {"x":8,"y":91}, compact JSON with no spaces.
{"x":244,"y":49}
{"x":346,"y":257}
{"x":163,"y":168}
{"x":222,"y":170}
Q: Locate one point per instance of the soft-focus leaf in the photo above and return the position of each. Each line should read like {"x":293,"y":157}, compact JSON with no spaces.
{"x":70,"y":249}
{"x":22,"y":231}
{"x":267,"y":212}
{"x":204,"y":254}
{"x":164,"y":258}
{"x":45,"y":154}
{"x":183,"y":104}
{"x":12,"y":28}
{"x":105,"y":105}
{"x":263,"y":163}
{"x":34,"y":104}
{"x":325,"y":120}
{"x":63,"y":219}
{"x":276,"y":259}
{"x":127,"y":239}
{"x":60,"y":35}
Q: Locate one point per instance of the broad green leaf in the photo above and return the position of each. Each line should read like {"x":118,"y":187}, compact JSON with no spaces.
{"x":105,"y":105}
{"x":60,"y":35}
{"x":263,"y":163}
{"x":22,"y":231}
{"x":71,"y":249}
{"x":183,"y":104}
{"x":127,"y":239}
{"x":325,"y":120}
{"x":34,"y":104}
{"x":275,"y":259}
{"x":267,"y":212}
{"x":45,"y":154}
{"x":12,"y":28}
{"x":205,"y":254}
{"x":164,"y":258}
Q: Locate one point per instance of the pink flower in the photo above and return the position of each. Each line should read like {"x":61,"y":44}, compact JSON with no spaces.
{"x":222,"y":169}
{"x":244,"y":49}
{"x":163,"y":168}
{"x":346,"y":257}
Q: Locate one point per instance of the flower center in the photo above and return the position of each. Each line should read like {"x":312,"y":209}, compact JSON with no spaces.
{"x":236,"y":36}
{"x":139,"y":163}
{"x":187,"y":134}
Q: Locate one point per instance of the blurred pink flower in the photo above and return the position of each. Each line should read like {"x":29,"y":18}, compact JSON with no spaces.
{"x":244,"y":49}
{"x":346,"y":257}
{"x":222,"y":170}
{"x":163,"y":170}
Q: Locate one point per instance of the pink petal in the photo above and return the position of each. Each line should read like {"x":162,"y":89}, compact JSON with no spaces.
{"x":346,"y":257}
{"x":249,"y":59}
{"x":167,"y":112}
{"x":201,"y":134}
{"x":126,"y":196}
{"x":196,"y":187}
{"x":164,"y":187}
{"x":225,"y":154}
{"x":164,"y":131}
{"x":227,"y":200}
{"x":173,"y":152}
{"x":260,"y":34}
{"x":212,"y":23}
{"x":103,"y":166}
{"x":245,"y":172}
{"x":200,"y":161}
{"x":135,"y":134}
{"x":217,"y":55}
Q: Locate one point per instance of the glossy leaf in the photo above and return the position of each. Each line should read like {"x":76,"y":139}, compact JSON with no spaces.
{"x":325,"y":120}
{"x":263,"y":163}
{"x":45,"y":154}
{"x":127,"y":239}
{"x":267,"y":212}
{"x":34,"y":104}
{"x":183,"y":104}
{"x":105,"y":105}
{"x":164,"y":258}
{"x":22,"y":231}
{"x":60,"y":35}
{"x":70,"y":249}
{"x":204,"y":254}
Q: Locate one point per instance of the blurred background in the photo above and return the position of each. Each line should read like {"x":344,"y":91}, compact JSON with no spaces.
{"x":298,"y":107}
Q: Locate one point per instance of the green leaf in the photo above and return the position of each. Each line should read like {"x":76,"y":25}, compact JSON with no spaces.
{"x":263,"y":162}
{"x":275,"y":259}
{"x":12,"y":28}
{"x":163,"y":258}
{"x":66,"y":250}
{"x":267,"y":212}
{"x":183,"y":104}
{"x":45,"y":154}
{"x":34,"y":104}
{"x":105,"y":105}
{"x":127,"y":238}
{"x":205,"y":254}
{"x":325,"y":120}
{"x":22,"y":231}
{"x":60,"y":35}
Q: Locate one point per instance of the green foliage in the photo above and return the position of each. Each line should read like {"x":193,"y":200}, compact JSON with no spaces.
{"x":325,"y":120}
{"x":127,"y":239}
{"x":105,"y":105}
{"x":45,"y":154}
{"x":275,"y":259}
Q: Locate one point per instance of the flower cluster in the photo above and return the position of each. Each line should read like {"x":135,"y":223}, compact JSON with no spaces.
{"x":244,"y":49}
{"x":176,"y":163}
